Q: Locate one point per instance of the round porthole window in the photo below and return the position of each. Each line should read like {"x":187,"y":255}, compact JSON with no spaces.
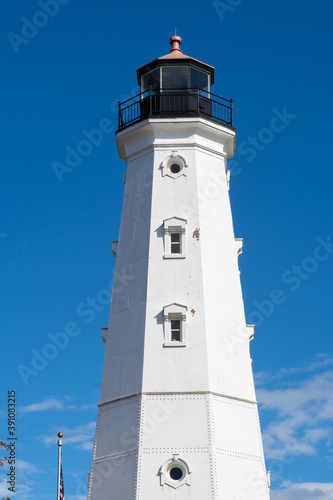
{"x":175,"y":168}
{"x":176,"y":473}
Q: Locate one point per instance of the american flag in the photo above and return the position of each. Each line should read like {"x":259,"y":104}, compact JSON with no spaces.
{"x":62,"y":491}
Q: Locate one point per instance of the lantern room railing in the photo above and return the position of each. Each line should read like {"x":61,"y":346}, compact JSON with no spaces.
{"x":174,"y":103}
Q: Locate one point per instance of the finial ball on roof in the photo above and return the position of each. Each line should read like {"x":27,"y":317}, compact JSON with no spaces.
{"x":175,"y":41}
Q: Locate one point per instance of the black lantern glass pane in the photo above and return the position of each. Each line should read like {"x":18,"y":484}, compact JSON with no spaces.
{"x":175,"y":77}
{"x":151,"y":79}
{"x":199,"y":78}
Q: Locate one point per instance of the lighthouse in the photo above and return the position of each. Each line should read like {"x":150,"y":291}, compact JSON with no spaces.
{"x":177,"y":416}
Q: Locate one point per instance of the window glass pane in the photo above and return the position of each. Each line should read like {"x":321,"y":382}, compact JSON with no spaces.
{"x":175,"y":324}
{"x":175,"y":248}
{"x":151,"y":79}
{"x":175,"y":242}
{"x":199,"y":77}
{"x":175,"y":330}
{"x":175,"y":77}
{"x":175,"y":336}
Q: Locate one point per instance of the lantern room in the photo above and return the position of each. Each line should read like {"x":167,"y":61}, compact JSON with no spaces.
{"x":175,"y":86}
{"x":175,"y":71}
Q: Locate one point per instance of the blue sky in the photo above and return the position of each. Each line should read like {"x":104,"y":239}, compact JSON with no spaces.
{"x":64,"y":77}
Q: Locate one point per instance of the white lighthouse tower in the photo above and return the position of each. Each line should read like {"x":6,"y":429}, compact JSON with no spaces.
{"x":177,"y":417}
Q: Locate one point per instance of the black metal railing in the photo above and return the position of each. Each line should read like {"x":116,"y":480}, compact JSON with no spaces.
{"x":175,"y":103}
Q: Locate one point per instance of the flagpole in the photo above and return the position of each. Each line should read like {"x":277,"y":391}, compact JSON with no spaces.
{"x":59,"y":463}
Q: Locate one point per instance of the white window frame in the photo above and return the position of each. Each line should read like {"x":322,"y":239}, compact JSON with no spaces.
{"x":171,"y":312}
{"x":172,"y":226}
{"x":170,"y":160}
{"x":164,"y":472}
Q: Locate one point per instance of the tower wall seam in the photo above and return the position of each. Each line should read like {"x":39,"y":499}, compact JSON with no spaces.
{"x":172,"y":394}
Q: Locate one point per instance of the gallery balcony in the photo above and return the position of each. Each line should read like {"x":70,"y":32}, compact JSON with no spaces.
{"x":175,"y":103}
